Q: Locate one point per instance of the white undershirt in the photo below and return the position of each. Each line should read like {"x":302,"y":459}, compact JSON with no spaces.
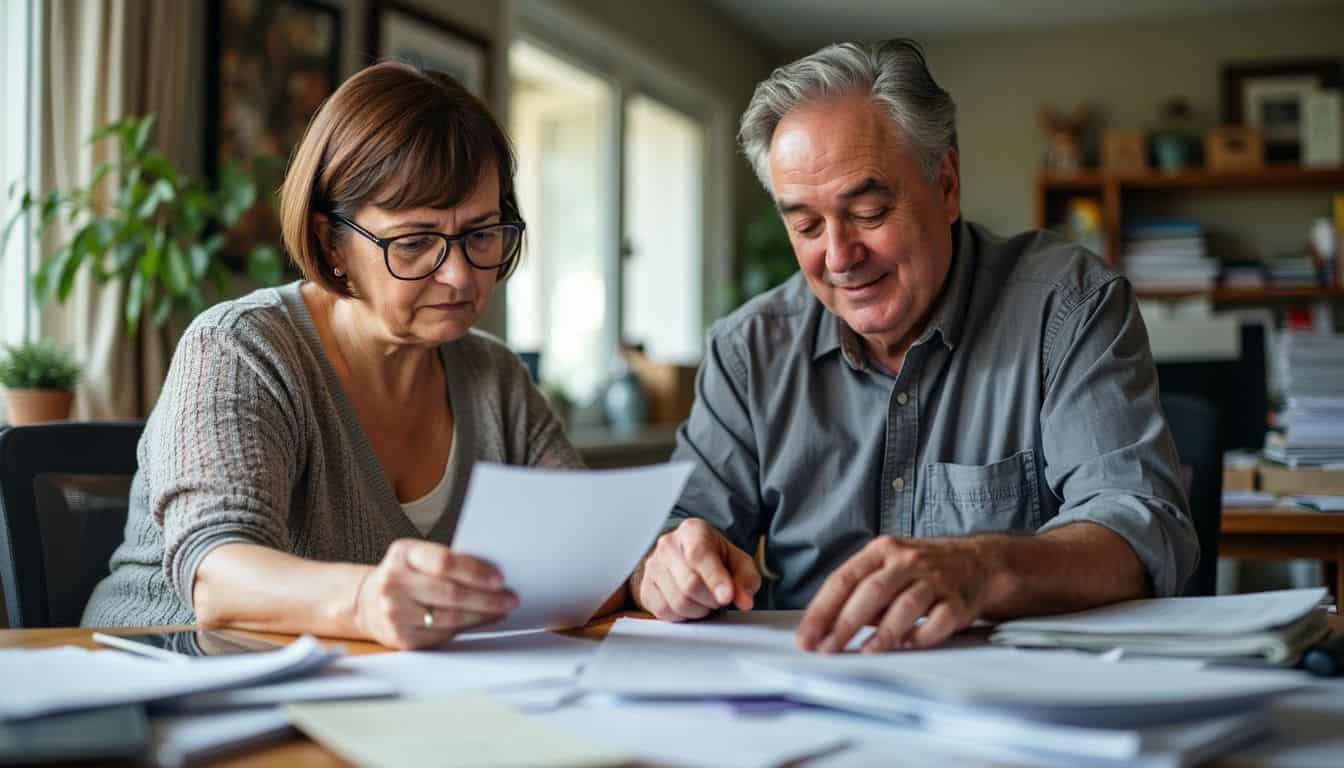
{"x":425,"y":511}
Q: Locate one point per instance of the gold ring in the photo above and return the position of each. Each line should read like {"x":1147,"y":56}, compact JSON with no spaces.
{"x":429,"y":618}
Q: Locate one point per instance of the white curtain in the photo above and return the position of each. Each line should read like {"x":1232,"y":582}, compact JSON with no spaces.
{"x":103,"y":60}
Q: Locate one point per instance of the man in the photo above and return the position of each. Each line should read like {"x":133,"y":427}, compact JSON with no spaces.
{"x":927,"y":420}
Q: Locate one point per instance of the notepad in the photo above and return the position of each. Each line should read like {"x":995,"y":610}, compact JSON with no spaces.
{"x":470,"y":731}
{"x":1273,"y":626}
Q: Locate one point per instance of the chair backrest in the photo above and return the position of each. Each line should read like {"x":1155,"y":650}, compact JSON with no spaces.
{"x":63,"y":499}
{"x":1194,"y":427}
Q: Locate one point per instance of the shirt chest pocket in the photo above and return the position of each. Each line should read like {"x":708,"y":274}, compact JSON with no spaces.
{"x":961,"y":499}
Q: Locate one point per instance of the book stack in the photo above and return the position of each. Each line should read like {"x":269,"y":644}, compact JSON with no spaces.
{"x":1167,"y":255}
{"x":1310,"y":429}
{"x":1293,"y":270}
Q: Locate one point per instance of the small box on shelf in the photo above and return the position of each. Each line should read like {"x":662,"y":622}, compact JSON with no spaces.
{"x":1234,"y":148}
{"x":1124,"y":152}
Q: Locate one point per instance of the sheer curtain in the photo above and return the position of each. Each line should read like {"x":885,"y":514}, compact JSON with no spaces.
{"x":103,"y":60}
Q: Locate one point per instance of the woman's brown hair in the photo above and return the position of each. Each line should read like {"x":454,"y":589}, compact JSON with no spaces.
{"x":394,"y":136}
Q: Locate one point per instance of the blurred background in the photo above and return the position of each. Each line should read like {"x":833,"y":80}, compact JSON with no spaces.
{"x":1195,"y":144}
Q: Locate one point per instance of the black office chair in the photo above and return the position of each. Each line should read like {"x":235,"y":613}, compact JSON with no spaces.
{"x":1194,"y":427}
{"x":63,"y":498}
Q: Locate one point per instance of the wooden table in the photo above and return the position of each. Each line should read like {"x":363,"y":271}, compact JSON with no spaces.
{"x":1286,"y":533}
{"x":297,"y":751}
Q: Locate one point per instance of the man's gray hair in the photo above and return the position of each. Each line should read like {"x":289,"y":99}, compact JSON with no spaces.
{"x":893,"y":73}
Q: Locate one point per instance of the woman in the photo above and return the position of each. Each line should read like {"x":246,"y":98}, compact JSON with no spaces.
{"x":305,"y":465}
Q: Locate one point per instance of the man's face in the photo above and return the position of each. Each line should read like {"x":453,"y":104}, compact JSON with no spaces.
{"x":871,"y":233}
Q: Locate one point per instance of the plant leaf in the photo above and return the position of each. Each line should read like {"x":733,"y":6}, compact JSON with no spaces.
{"x":220,"y":278}
{"x":116,"y":128}
{"x":135,"y":301}
{"x":178,"y":269}
{"x":263,"y":264}
{"x":200,"y":260}
{"x":237,"y":193}
{"x":149,"y":259}
{"x":163,"y":309}
{"x":141,"y":136}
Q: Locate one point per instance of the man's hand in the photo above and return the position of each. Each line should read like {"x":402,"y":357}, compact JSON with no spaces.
{"x":891,"y":583}
{"x":694,"y":570}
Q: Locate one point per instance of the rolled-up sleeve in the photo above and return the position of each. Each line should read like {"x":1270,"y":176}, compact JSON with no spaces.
{"x":1109,"y":455}
{"x":223,"y":455}
{"x":718,"y":439}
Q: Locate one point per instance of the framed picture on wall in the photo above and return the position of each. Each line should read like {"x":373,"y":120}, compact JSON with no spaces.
{"x":397,"y":31}
{"x":269,"y":66}
{"x":1272,"y":96}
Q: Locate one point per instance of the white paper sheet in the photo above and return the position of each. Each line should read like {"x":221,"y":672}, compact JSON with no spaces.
{"x":477,"y":663}
{"x":564,"y":540}
{"x":180,"y":740}
{"x":873,"y":743}
{"x":1225,"y":614}
{"x":1047,"y":686}
{"x":696,"y":734}
{"x":332,"y":683}
{"x":641,"y":657}
{"x":46,"y":680}
{"x":469,"y":731}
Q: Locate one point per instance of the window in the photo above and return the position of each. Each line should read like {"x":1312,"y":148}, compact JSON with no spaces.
{"x":612,"y":178}
{"x":15,"y":58}
{"x":664,"y":154}
{"x":557,"y":301}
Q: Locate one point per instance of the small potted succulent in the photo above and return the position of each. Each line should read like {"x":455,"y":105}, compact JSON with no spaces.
{"x":39,"y":380}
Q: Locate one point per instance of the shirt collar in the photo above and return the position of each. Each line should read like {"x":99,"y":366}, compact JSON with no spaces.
{"x":948,"y":313}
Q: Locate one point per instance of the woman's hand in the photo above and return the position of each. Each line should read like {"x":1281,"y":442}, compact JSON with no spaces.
{"x":423,"y":593}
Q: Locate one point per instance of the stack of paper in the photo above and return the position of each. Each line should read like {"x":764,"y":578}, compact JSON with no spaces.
{"x":1312,"y":370}
{"x":42,"y":681}
{"x":1051,"y":707}
{"x":1046,"y":707}
{"x":1275,"y":627}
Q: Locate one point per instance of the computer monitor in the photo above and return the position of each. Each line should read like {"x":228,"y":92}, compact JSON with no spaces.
{"x":1237,"y":388}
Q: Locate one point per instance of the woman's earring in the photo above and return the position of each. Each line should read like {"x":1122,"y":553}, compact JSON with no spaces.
{"x":337,"y":272}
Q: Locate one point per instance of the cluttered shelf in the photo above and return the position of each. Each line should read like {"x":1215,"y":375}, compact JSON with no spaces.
{"x":1250,"y":295}
{"x":1269,"y":176}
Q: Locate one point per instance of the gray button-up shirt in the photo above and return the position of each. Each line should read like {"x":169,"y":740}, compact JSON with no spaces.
{"x":1029,"y":402}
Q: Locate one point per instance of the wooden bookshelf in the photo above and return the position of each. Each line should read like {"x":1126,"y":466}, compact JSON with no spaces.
{"x":1112,"y":190}
{"x":1271,"y":176}
{"x":1267,"y":295}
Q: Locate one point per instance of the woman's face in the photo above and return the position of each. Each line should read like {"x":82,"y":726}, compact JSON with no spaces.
{"x":444,"y":305}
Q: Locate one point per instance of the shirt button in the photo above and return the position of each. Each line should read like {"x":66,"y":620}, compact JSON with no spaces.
{"x":902,"y":399}
{"x":898,"y":485}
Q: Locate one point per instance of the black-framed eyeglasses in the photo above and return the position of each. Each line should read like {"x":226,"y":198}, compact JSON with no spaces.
{"x":417,"y":255}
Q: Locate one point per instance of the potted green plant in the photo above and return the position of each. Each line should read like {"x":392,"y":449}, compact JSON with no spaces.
{"x":39,"y":380}
{"x":160,"y":231}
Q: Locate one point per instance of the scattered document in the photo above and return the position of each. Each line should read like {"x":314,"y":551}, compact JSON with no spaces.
{"x":1056,"y":687}
{"x":181,"y":740}
{"x":564,"y":540}
{"x":873,"y":742}
{"x":1274,"y":627}
{"x":471,"y":731}
{"x":698,"y":734}
{"x":40,"y":681}
{"x":647,"y":658}
{"x":1319,"y":503}
{"x":477,"y":663}
{"x":1243,"y":498}
{"x":331,"y":683}
{"x":1225,"y":614}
